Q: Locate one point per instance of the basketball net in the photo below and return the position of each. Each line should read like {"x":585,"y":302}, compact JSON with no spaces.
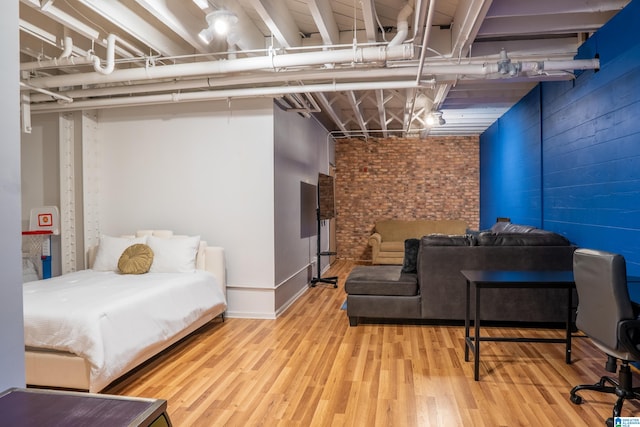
{"x":36,"y":246}
{"x":36,"y":242}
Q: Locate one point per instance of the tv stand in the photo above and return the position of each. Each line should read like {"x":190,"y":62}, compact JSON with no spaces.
{"x":332,"y":280}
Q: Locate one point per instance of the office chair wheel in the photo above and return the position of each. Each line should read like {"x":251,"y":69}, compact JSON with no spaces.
{"x":576,"y":399}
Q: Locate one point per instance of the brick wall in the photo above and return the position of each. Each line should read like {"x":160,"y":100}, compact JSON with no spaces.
{"x":398,"y":178}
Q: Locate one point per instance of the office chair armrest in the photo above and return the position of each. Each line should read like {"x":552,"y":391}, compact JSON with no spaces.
{"x":629,"y":336}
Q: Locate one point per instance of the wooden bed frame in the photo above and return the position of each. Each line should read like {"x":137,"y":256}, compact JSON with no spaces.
{"x":50,"y":368}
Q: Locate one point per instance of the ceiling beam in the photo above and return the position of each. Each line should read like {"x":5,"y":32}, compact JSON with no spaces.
{"x":64,"y":18}
{"x":357,"y":110}
{"x":559,"y":23}
{"x":328,"y":108}
{"x":370,"y":21}
{"x":278,"y":18}
{"x":551,"y":7}
{"x":176,"y":15}
{"x":466,"y":23}
{"x":128,"y":21}
{"x":323,"y":17}
{"x":382,"y":111}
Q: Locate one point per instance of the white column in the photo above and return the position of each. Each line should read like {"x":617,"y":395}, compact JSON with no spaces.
{"x":90,"y":179}
{"x":67,"y":194}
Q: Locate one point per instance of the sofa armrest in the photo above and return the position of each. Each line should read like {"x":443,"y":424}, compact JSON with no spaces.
{"x":375,"y":240}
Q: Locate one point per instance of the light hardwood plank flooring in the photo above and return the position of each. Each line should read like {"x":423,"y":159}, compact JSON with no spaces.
{"x":310,"y":368}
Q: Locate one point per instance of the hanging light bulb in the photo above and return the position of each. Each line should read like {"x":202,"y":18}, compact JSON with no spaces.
{"x":223,"y":21}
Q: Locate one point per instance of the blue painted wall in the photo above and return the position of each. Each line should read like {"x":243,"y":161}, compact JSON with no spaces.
{"x":510,"y":168}
{"x":567,"y":156}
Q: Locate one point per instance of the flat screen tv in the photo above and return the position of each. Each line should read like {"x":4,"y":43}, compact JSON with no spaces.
{"x":308,"y":206}
{"x":326,"y":200}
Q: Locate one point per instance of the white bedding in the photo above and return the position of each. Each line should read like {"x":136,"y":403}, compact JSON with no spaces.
{"x":110,"y":318}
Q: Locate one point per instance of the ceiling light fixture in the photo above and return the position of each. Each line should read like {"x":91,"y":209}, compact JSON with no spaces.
{"x":220,"y":22}
{"x":435,"y":118}
{"x":202,"y":4}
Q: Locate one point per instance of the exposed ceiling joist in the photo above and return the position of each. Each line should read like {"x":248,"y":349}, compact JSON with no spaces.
{"x":277,"y":17}
{"x":323,"y":17}
{"x":337,"y":50}
{"x":178,"y":17}
{"x":143,"y":30}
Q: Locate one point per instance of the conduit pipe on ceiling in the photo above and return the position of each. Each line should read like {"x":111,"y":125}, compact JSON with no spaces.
{"x":266,"y":78}
{"x":481,"y":70}
{"x":358,"y":55}
{"x":425,"y":38}
{"x":53,"y":95}
{"x":66,"y":59}
{"x":56,"y":62}
{"x":221,"y":94}
{"x":423,"y":54}
{"x":527,"y":66}
{"x":403,"y":24}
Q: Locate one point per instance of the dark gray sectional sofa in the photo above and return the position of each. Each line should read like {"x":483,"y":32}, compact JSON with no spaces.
{"x":430,"y":286}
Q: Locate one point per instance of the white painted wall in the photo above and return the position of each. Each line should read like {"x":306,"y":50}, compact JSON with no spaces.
{"x":11,"y":323}
{"x":230,"y":173}
{"x":198,"y":168}
{"x":301,"y":151}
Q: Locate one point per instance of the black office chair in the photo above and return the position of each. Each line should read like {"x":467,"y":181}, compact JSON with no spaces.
{"x":608,"y":317}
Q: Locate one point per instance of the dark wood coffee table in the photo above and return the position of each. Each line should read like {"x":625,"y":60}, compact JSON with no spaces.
{"x":37,"y":407}
{"x":482,"y":279}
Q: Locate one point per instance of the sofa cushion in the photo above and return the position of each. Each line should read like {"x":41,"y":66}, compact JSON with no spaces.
{"x":392,"y":246}
{"x":381,"y":280}
{"x":448,"y":240}
{"x":410,"y":260}
{"x":399,"y":230}
{"x":537,"y":238}
{"x":507,"y":227}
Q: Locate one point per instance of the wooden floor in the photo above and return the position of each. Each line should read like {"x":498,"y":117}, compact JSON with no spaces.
{"x":309,"y":368}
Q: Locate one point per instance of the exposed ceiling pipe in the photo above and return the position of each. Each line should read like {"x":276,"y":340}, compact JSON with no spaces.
{"x":111,"y":52}
{"x":266,"y":78}
{"x":403,"y":24}
{"x":66,"y":59}
{"x":56,"y":62}
{"x":479,"y":70}
{"x":220,"y":94}
{"x":425,"y":38}
{"x":54,"y":95}
{"x":358,"y":55}
{"x":486,"y":69}
{"x":423,"y":54}
{"x":68,"y":47}
{"x":281,"y":91}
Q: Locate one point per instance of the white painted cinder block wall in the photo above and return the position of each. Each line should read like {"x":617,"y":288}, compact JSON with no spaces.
{"x":210,"y":169}
{"x":11,"y":324}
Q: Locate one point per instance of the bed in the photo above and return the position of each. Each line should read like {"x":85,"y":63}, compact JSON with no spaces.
{"x":85,"y":329}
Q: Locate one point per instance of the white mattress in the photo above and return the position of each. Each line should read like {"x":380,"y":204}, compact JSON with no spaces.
{"x":110,"y":318}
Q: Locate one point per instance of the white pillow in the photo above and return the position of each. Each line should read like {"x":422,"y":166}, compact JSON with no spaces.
{"x":110,"y":249}
{"x":173,"y":255}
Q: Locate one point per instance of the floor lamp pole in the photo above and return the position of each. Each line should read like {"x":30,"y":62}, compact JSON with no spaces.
{"x":333,"y":280}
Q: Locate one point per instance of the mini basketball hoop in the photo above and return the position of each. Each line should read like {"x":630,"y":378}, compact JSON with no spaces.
{"x":36,"y":250}
{"x":46,"y":218}
{"x":36,"y":242}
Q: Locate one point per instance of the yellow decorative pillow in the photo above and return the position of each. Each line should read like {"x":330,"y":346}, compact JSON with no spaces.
{"x":136,"y":259}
